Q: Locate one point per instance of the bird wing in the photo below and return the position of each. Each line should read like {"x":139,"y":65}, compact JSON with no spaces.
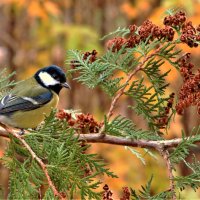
{"x":12,"y":102}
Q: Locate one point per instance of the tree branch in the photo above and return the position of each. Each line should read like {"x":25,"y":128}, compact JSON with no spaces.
{"x":115,"y":140}
{"x":165,"y":154}
{"x":7,"y":131}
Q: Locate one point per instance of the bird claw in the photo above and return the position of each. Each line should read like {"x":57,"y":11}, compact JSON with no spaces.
{"x":21,"y":132}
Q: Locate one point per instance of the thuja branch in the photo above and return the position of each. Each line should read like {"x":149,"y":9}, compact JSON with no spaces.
{"x":165,"y":154}
{"x":114,"y":140}
{"x":129,"y":77}
{"x":161,"y":146}
{"x":6,"y":131}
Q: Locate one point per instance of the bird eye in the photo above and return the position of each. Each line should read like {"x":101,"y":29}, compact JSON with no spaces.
{"x":55,"y":76}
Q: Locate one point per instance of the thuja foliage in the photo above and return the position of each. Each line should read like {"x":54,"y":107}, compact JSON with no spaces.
{"x":133,"y":66}
{"x":70,"y":168}
{"x":145,"y":193}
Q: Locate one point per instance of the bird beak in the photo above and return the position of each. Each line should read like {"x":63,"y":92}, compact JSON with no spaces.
{"x":66,"y":85}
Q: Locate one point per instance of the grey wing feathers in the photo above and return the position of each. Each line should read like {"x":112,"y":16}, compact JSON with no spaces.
{"x":11,"y":103}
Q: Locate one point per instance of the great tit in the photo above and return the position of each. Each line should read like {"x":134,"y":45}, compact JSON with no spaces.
{"x":33,"y":99}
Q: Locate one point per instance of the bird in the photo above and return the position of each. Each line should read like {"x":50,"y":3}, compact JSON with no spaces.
{"x":31,"y":100}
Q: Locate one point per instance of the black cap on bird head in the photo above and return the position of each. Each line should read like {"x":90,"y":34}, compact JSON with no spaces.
{"x":52,"y":77}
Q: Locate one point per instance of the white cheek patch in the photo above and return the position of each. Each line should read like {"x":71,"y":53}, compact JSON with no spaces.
{"x":47,"y":79}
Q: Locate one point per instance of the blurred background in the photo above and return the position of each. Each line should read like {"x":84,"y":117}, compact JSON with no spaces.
{"x":37,"y":33}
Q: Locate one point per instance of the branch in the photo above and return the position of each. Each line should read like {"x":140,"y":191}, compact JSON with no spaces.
{"x":115,"y":140}
{"x":165,"y":154}
{"x":7,"y":131}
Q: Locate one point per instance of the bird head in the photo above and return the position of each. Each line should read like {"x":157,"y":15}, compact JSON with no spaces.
{"x":52,"y":77}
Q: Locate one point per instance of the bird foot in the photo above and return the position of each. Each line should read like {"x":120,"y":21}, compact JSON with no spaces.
{"x":21,"y":132}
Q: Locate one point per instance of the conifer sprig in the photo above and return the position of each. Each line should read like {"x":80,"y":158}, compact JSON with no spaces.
{"x":54,"y":155}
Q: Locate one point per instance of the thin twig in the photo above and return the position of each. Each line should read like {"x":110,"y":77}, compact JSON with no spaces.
{"x":165,"y":154}
{"x":129,"y":77}
{"x":34,"y":156}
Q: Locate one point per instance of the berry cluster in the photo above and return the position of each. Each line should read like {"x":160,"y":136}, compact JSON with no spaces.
{"x":116,"y":43}
{"x":92,"y":55}
{"x":190,"y":35}
{"x":185,"y":66}
{"x":83,"y":123}
{"x":146,"y":30}
{"x":162,"y":121}
{"x":189,"y":93}
{"x":175,"y":20}
{"x":107,"y":194}
{"x":126,"y":194}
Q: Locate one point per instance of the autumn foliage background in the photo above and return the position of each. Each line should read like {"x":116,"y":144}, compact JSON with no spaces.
{"x":36,"y":33}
